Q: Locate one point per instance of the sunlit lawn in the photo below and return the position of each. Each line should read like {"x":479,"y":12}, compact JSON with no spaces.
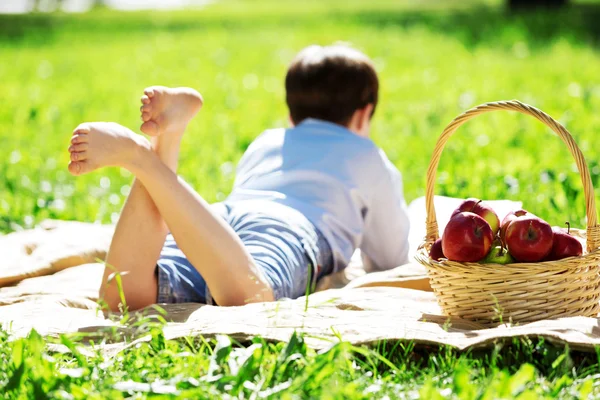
{"x":435,"y":61}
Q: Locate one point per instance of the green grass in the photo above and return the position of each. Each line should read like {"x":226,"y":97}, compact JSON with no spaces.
{"x":435,"y":59}
{"x":58,"y":71}
{"x":220,"y":368}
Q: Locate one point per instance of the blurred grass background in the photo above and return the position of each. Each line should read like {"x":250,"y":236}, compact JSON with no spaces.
{"x":435,"y":58}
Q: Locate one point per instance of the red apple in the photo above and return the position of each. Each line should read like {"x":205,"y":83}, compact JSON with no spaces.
{"x":467,"y":238}
{"x":436,"y":251}
{"x":529,"y":238}
{"x":478,"y":207}
{"x":564,"y":245}
{"x":511,"y":216}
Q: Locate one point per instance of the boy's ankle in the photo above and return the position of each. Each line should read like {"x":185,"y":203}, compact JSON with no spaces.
{"x":165,"y":145}
{"x":139,"y":153}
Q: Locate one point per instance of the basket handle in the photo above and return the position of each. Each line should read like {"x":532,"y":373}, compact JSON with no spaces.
{"x":593,"y":230}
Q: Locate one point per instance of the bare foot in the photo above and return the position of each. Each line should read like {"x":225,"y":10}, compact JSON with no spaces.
{"x":101,"y":144}
{"x":168,"y":110}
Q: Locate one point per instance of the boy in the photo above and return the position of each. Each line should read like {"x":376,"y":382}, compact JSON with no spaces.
{"x":303,"y":200}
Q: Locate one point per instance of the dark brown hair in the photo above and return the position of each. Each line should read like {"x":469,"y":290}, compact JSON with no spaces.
{"x":330,"y":83}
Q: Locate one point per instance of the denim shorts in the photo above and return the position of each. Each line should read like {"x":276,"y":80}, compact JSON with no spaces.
{"x":283,"y":243}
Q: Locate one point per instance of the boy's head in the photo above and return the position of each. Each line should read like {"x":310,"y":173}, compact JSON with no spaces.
{"x":333,"y":83}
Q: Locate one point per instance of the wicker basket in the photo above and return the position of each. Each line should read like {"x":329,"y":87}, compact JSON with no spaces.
{"x":491,"y":294}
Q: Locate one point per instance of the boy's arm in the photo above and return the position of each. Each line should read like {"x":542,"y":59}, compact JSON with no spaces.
{"x":385,"y":239}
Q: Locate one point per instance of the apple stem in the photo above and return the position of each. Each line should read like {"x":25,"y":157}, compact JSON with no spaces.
{"x":475,"y":205}
{"x":568,"y":227}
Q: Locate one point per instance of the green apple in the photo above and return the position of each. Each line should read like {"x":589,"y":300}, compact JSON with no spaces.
{"x":498,"y":255}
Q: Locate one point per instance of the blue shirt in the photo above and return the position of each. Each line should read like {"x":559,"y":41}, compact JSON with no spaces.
{"x":341,"y":182}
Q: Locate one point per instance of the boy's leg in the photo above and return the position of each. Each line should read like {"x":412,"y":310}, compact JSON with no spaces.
{"x":141,"y":231}
{"x":207,"y":241}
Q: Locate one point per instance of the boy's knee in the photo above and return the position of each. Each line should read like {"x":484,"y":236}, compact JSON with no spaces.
{"x":113,"y":302}
{"x":110,"y":299}
{"x":131,"y":292}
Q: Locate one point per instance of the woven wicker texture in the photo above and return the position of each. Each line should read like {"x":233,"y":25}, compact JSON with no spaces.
{"x":522,"y":292}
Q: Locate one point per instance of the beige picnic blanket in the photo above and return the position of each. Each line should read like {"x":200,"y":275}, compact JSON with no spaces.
{"x":49,"y":280}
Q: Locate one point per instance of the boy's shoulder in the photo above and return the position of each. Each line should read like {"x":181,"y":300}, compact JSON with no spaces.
{"x":328,"y":133}
{"x":323,"y":137}
{"x":272,"y":133}
{"x":317,"y":134}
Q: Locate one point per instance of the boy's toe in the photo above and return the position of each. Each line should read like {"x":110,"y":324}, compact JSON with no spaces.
{"x":81,"y":129}
{"x":145,"y":116}
{"x":80,"y":167}
{"x":78,"y":147}
{"x":150,"y":128}
{"x":146,"y":108}
{"x":79,"y":156}
{"x":149,"y":92}
{"x":79,"y":138}
{"x":145,"y":99}
{"x":74,"y":168}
